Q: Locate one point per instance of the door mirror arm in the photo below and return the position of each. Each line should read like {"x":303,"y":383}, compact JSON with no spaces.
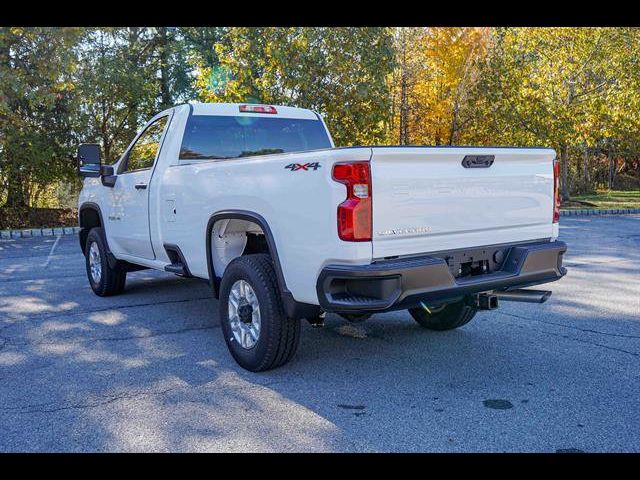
{"x":107,"y":175}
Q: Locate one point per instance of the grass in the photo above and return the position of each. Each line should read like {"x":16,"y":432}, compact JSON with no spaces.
{"x":608,"y":199}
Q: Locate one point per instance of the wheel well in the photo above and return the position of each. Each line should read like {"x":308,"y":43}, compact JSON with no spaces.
{"x":232,"y":238}
{"x":89,"y":218}
{"x":252,"y":234}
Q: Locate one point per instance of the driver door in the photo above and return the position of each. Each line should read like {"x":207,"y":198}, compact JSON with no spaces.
{"x":129,"y":214}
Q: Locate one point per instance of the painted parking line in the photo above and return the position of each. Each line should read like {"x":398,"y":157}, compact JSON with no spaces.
{"x":53,"y":248}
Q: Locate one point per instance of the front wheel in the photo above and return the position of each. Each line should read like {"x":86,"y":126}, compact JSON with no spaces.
{"x":258,"y":333}
{"x":446,"y":317}
{"x":104,"y":280}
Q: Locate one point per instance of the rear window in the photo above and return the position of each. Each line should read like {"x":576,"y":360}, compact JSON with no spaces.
{"x":219,"y":137}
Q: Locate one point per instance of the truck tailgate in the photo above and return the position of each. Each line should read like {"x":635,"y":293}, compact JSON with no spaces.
{"x":425,"y":200}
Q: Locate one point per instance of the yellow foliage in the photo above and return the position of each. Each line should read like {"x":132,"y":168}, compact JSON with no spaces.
{"x":439,"y":64}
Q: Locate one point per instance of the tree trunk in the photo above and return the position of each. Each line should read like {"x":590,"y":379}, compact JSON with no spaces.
{"x":586,"y":179}
{"x":404,"y":110}
{"x":133,"y":60}
{"x":564,"y":173}
{"x":454,"y":124}
{"x":404,"y":103}
{"x":165,"y":88}
{"x":614,"y":171}
{"x":17,"y":192}
{"x":613,"y":166}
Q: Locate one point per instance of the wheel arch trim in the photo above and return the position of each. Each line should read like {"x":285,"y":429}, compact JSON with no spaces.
{"x":113,"y":261}
{"x":82,"y":236}
{"x":264,"y":225}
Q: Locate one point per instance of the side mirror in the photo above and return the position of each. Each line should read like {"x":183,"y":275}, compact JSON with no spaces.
{"x":88,"y":160}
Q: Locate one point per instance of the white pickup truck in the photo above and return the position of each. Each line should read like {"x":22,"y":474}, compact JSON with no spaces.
{"x":257,"y":201}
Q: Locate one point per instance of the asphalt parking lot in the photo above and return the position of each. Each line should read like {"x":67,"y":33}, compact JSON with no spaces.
{"x":149,"y":370}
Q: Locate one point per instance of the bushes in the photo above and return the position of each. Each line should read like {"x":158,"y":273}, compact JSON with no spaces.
{"x":623,"y":181}
{"x":37,"y":218}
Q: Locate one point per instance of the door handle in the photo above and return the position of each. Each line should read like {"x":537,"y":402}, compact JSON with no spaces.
{"x":141,"y":186}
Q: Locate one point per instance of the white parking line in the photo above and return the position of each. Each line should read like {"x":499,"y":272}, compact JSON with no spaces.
{"x":53,"y":247}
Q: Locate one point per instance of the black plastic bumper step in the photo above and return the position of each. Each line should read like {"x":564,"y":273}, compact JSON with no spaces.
{"x":177,"y":268}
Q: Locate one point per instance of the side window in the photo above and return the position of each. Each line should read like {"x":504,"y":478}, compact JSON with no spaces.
{"x":144,"y":151}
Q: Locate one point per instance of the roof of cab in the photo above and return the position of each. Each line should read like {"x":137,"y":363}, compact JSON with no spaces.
{"x":233,"y":109}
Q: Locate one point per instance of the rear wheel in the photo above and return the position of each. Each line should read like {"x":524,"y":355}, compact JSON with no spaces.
{"x":104,"y":280}
{"x":446,"y":317}
{"x":258,"y":333}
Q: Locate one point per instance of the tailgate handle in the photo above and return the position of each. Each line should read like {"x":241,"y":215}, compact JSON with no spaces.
{"x":478,"y":161}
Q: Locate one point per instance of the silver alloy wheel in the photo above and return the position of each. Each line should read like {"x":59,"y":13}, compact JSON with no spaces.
{"x":95,"y":263}
{"x":244,"y":314}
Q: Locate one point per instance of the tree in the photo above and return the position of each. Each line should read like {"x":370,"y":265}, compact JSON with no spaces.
{"x":435,"y":70}
{"x":199,"y":44}
{"x":127,"y":75}
{"x":175,"y":47}
{"x":549,"y":86}
{"x":402,"y":81}
{"x":37,"y":97}
{"x":339,"y":72}
{"x":113,"y":82}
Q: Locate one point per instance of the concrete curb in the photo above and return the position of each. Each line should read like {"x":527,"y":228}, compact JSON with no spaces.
{"x":598,"y":211}
{"x":38,"y":232}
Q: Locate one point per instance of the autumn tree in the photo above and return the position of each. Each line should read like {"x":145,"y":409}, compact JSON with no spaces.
{"x":552,"y":87}
{"x":435,"y":70}
{"x":402,"y":82}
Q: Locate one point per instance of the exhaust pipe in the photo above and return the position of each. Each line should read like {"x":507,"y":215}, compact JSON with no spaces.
{"x":521,"y":295}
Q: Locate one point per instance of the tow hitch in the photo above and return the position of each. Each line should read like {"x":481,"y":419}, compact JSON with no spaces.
{"x":487,"y":301}
{"x":522,"y":295}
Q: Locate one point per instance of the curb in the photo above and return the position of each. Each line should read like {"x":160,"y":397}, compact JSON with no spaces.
{"x":598,"y":211}
{"x":38,"y":232}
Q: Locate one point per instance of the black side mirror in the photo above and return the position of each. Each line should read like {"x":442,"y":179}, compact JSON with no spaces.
{"x":88,"y":160}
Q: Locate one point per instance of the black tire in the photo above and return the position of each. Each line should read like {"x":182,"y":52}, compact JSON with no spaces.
{"x":279,"y":335}
{"x":450,"y":316}
{"x":111,"y":280}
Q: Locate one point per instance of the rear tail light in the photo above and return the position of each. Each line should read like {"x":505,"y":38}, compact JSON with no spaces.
{"x":354,"y":214}
{"x":556,"y":191}
{"x":258,"y":109}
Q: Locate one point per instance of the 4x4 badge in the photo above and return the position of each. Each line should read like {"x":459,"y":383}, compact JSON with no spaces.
{"x":294,"y":167}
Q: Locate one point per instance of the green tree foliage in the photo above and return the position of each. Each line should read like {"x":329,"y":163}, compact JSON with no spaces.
{"x":339,"y":72}
{"x":36,"y":107}
{"x":199,"y":43}
{"x":125,"y":76}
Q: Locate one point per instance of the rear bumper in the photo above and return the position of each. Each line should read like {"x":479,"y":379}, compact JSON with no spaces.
{"x":404,"y":283}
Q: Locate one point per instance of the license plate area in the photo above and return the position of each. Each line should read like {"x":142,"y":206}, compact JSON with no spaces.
{"x":474,"y":262}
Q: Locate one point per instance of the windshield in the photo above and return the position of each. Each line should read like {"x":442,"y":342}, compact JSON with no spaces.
{"x":222,"y":137}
